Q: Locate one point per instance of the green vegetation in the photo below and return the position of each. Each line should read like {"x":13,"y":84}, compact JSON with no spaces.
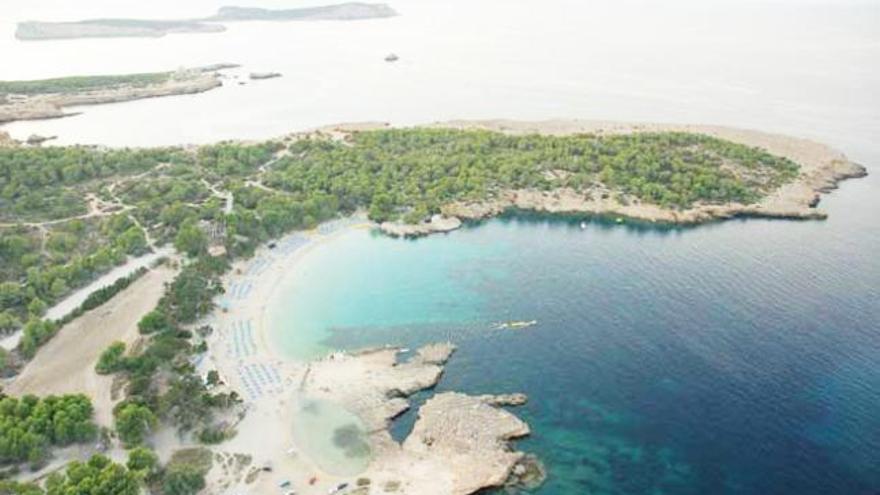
{"x":390,"y":171}
{"x":133,"y":422}
{"x":112,"y":359}
{"x":104,"y":294}
{"x":179,"y":396}
{"x":100,"y":476}
{"x":30,"y":427}
{"x":176,"y":195}
{"x":81,"y":83}
{"x":40,"y":262}
{"x":144,"y":462}
{"x":185,"y":472}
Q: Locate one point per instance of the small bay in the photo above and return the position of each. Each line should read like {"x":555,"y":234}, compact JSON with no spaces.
{"x":736,"y":357}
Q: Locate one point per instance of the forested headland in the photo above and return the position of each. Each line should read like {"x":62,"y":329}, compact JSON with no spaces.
{"x":68,"y":214}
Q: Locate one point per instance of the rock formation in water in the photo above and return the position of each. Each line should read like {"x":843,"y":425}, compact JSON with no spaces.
{"x":460,"y":444}
{"x":263,"y":75}
{"x":437,"y":223}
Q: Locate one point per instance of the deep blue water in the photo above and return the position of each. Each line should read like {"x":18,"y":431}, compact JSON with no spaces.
{"x":733,"y":358}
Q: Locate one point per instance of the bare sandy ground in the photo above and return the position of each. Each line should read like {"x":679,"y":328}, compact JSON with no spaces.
{"x":66,"y":364}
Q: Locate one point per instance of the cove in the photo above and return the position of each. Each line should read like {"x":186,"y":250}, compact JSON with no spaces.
{"x":728,"y":358}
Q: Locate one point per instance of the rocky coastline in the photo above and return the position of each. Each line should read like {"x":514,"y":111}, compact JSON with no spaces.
{"x":52,"y":105}
{"x":433,"y":225}
{"x":822,"y":170}
{"x":460,"y":444}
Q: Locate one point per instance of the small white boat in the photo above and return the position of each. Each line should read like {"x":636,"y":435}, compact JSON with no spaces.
{"x":583,"y":225}
{"x":515,"y":325}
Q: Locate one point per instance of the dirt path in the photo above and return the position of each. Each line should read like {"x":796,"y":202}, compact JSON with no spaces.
{"x":66,"y":364}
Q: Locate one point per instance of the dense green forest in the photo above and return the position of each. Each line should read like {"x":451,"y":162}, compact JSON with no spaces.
{"x":30,"y":426}
{"x":51,"y":242}
{"x":101,"y":476}
{"x":402,"y":169}
{"x":81,"y":83}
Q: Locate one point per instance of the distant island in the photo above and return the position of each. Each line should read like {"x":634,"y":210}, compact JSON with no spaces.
{"x":146,"y":28}
{"x":46,"y":98}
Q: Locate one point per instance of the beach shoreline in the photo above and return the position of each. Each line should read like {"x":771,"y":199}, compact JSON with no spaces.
{"x":371,"y":384}
{"x":241,"y":346}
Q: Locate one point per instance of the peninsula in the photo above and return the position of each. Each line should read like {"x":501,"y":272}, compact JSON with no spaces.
{"x":47,"y":98}
{"x":145,"y":28}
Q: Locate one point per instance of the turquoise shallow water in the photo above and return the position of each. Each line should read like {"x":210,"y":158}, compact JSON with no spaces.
{"x":364,"y":279}
{"x":333,"y":438}
{"x":738,"y":357}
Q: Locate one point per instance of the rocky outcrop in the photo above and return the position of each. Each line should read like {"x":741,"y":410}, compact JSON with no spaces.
{"x":528,"y":474}
{"x":460,"y":444}
{"x":469,"y":435}
{"x":37,"y":140}
{"x":263,"y":75}
{"x":437,"y":223}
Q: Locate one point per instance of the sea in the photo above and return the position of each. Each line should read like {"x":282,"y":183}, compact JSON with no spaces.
{"x":738,"y":357}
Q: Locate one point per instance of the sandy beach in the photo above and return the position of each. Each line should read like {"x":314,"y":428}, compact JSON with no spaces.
{"x":242,"y":351}
{"x":360,"y":392}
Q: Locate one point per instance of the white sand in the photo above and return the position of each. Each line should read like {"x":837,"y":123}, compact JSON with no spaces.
{"x":266,"y":431}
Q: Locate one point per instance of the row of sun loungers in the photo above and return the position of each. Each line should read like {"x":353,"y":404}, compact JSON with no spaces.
{"x":334,"y":225}
{"x":291,"y":244}
{"x":239,"y":290}
{"x":241,"y":340}
{"x":258,"y":379}
{"x":257,"y":266}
